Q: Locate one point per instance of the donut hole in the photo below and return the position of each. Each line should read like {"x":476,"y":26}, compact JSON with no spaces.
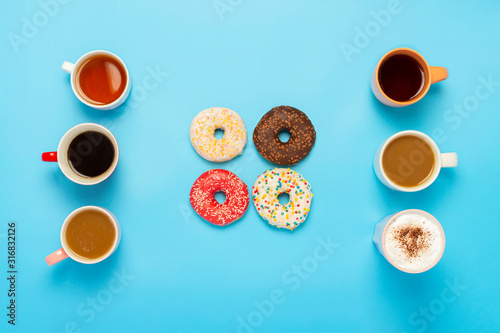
{"x":219,"y":133}
{"x":220,"y":197}
{"x":284,"y":135}
{"x":283,"y":198}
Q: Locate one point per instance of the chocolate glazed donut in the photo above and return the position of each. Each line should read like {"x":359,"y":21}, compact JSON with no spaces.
{"x":302,"y":135}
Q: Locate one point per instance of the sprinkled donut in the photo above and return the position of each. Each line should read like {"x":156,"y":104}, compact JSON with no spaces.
{"x":202,"y":132}
{"x":302,"y":135}
{"x":265,"y":193}
{"x":204,"y":203}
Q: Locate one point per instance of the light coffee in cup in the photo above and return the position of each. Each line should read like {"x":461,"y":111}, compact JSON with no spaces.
{"x":412,"y":240}
{"x":89,"y":235}
{"x":410,"y":161}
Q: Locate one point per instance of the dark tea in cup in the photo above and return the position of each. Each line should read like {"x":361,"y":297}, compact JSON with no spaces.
{"x":101,"y":79}
{"x":401,"y":77}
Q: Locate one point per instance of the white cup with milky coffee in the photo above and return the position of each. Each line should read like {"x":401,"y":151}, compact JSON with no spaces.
{"x":410,"y":161}
{"x":412,"y":240}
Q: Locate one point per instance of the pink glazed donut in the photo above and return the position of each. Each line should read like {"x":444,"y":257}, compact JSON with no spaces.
{"x":203,"y":201}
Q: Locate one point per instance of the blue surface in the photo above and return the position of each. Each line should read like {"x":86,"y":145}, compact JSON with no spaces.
{"x":177,"y":273}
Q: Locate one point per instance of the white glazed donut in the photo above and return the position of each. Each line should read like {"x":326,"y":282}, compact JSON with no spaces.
{"x":202,"y":132}
{"x":272,"y":183}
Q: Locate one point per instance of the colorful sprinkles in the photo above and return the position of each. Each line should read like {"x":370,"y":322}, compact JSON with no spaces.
{"x":272,"y":183}
{"x":202,"y":132}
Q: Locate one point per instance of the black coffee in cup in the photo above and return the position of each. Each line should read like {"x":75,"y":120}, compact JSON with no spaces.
{"x":91,"y":154}
{"x":401,"y":77}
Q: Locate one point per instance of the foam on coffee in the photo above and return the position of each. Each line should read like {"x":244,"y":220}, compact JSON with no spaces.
{"x":414,"y":242}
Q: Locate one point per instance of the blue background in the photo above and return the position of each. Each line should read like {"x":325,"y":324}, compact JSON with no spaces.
{"x":181,"y":274}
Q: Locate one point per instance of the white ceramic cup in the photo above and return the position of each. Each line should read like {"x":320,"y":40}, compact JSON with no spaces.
{"x":66,"y":252}
{"x":381,"y":228}
{"x":74,"y":68}
{"x":445,"y":160}
{"x":61,"y":156}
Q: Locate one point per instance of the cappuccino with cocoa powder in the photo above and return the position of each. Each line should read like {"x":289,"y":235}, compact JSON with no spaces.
{"x":414,"y":241}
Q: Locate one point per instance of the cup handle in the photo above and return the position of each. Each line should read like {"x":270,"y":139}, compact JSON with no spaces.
{"x":438,"y":74}
{"x":49,"y":156}
{"x":449,"y":160}
{"x":68,"y":67}
{"x":55,"y":257}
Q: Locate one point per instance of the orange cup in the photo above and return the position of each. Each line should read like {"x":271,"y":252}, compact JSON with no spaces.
{"x":431,"y":74}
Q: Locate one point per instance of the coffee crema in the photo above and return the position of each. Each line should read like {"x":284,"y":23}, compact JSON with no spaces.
{"x":414,"y":242}
{"x":90,"y":234}
{"x":408,"y":161}
{"x":401,"y":77}
{"x":91,"y":154}
{"x":101,"y":79}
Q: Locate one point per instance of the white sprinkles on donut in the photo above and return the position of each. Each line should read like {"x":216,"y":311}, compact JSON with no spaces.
{"x":202,"y":131}
{"x":272,"y":183}
{"x":218,"y":180}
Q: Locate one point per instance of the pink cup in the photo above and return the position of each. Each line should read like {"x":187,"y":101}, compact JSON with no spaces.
{"x":66,"y":252}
